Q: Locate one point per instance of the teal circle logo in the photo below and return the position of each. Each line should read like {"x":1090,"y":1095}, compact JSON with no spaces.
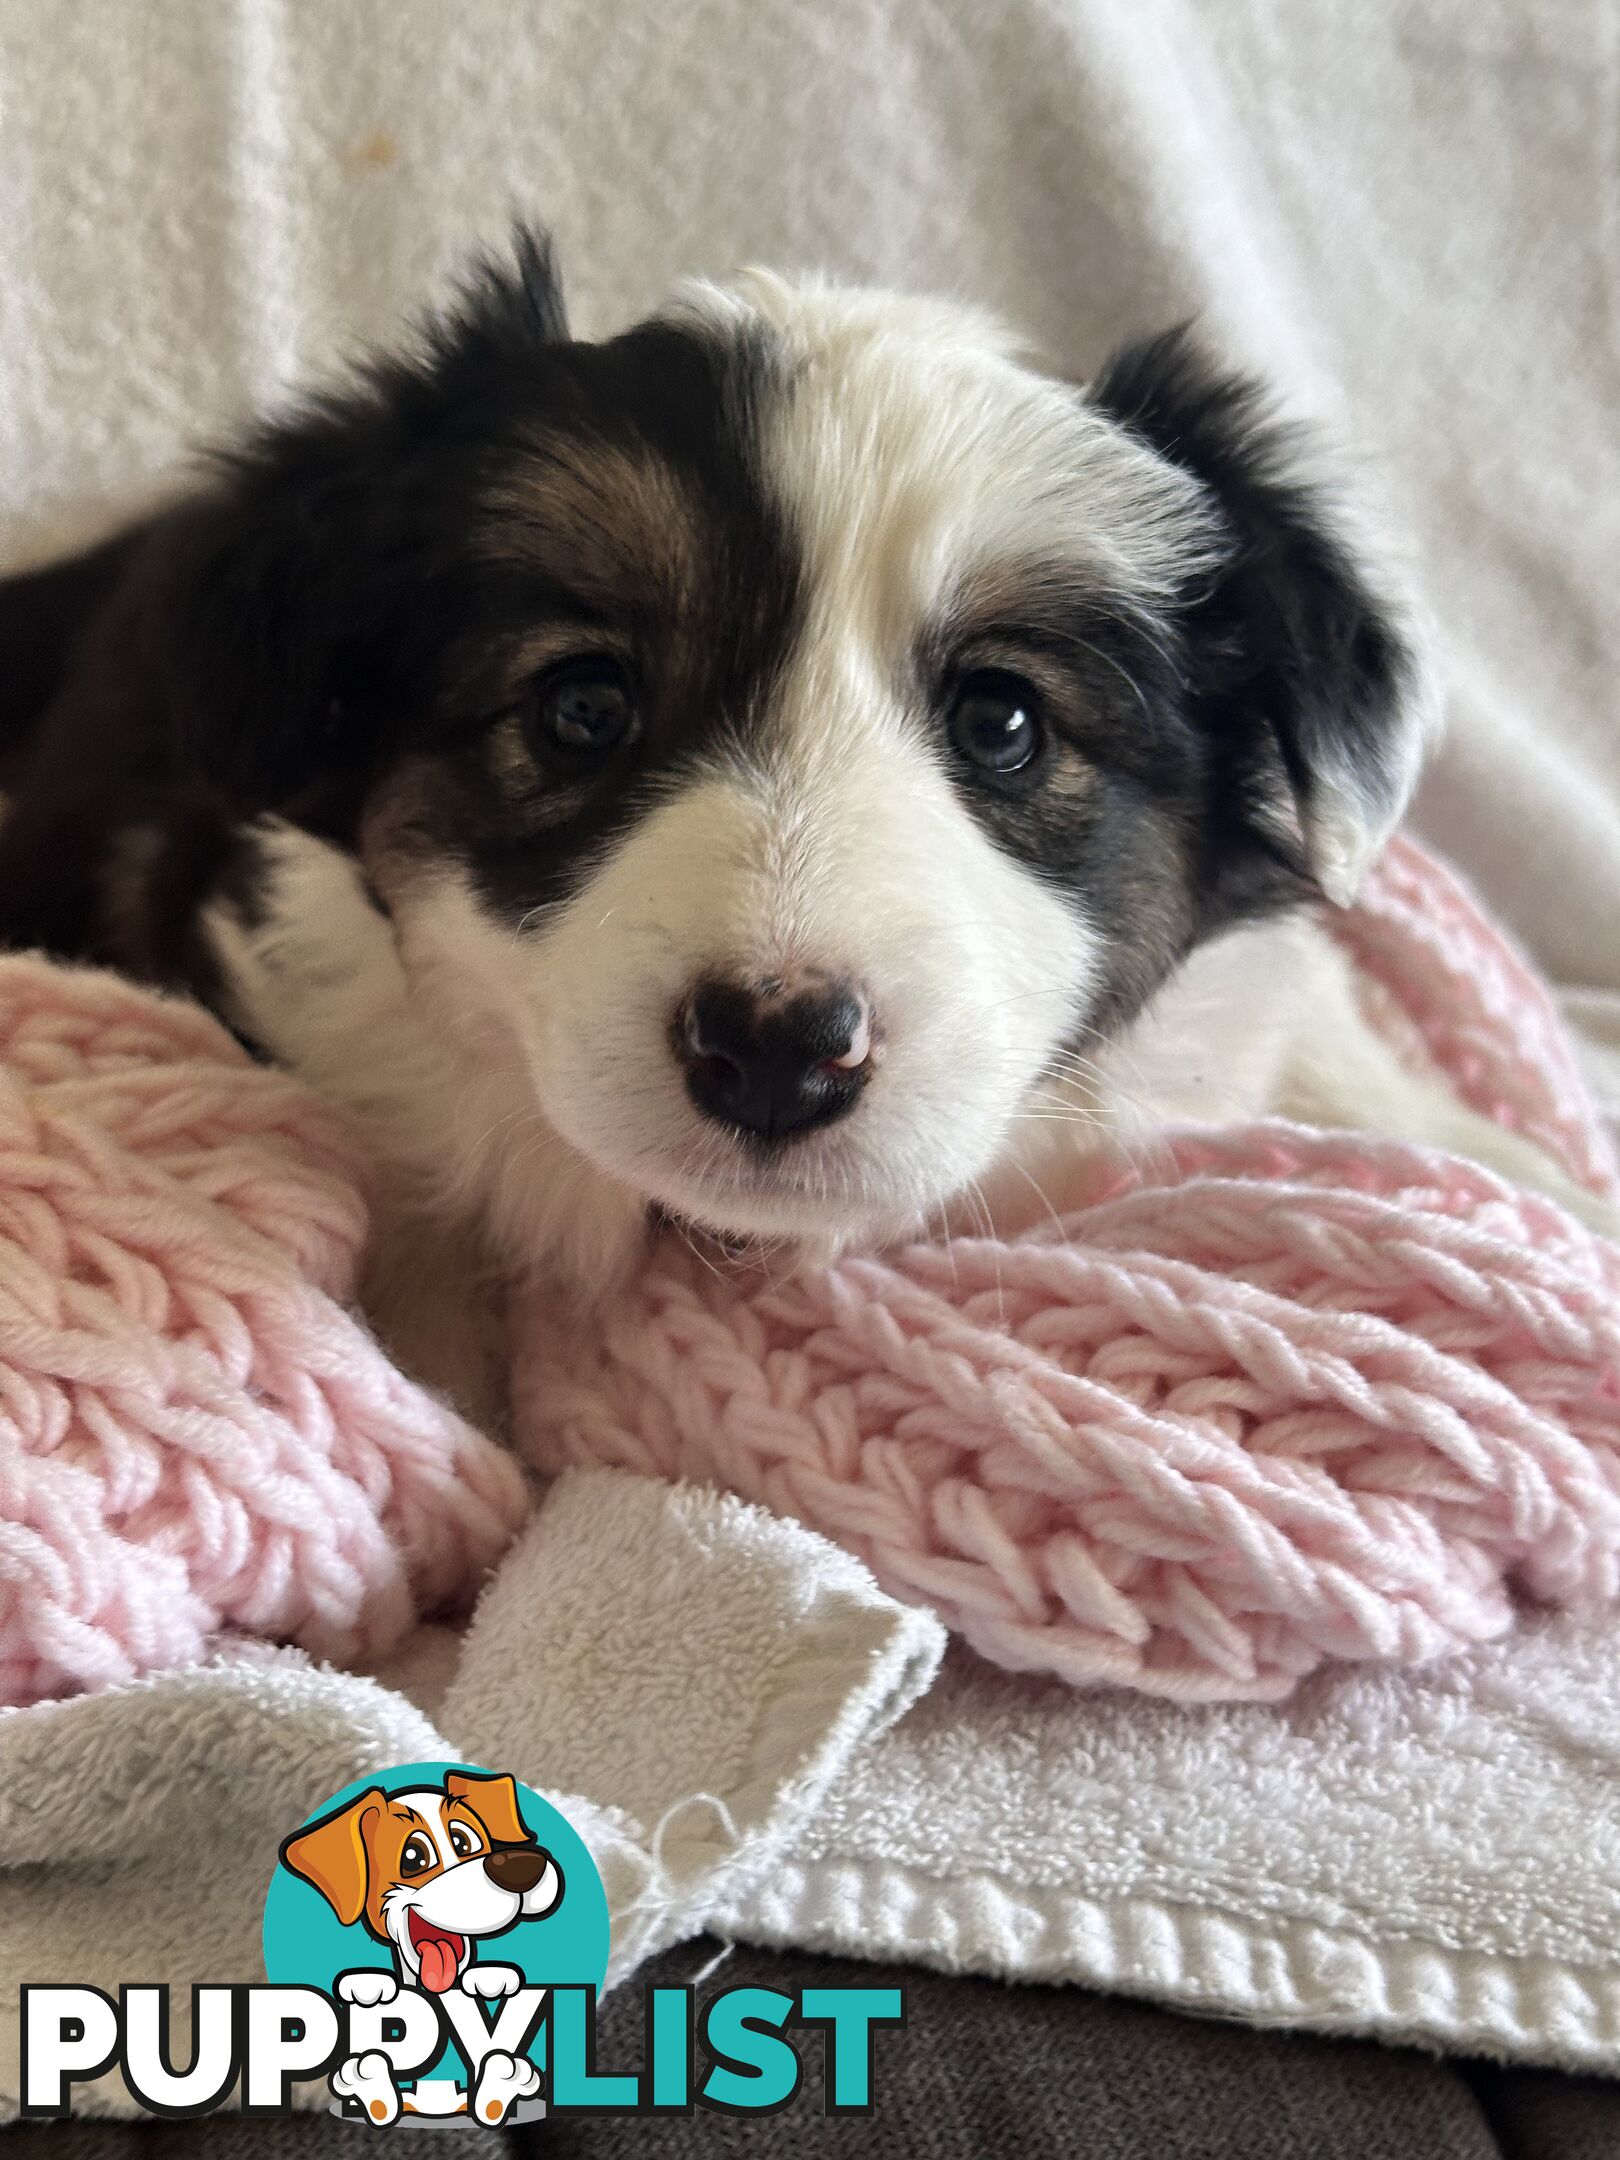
{"x":445,"y":1881}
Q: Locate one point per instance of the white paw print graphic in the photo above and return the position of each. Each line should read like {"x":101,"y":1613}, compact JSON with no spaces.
{"x":369,"y":2079}
{"x":502,"y":2078}
{"x":367,"y":1988}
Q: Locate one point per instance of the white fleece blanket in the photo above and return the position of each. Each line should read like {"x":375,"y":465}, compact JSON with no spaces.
{"x":1407,"y":212}
{"x":1430,"y":1857}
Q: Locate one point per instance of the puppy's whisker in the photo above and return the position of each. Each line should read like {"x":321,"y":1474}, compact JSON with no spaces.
{"x":1040,"y":1193}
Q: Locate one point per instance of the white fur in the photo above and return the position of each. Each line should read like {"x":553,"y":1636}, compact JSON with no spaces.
{"x":916,"y":445}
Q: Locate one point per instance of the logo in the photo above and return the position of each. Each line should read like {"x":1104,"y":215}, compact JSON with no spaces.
{"x":435,"y":1940}
{"x":440,"y":1905}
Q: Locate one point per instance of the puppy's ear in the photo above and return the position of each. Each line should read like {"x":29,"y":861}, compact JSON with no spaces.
{"x":1303,"y":673}
{"x":494,"y":1801}
{"x":332,"y":1855}
{"x":304,"y":587}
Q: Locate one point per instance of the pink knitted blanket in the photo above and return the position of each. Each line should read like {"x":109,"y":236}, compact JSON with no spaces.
{"x":196,"y":1436}
{"x":1281,"y":1397}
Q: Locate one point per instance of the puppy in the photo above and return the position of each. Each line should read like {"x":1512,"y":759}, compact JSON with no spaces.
{"x":793,"y":769}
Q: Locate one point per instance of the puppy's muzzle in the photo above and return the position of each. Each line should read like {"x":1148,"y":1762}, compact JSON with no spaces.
{"x":517,"y":1869}
{"x":774,"y":1058}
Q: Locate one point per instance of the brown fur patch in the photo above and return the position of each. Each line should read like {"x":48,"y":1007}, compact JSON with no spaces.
{"x":599,"y":519}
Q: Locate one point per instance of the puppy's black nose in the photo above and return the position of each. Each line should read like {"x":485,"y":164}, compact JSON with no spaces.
{"x":518,"y":1868}
{"x":777,"y":1058}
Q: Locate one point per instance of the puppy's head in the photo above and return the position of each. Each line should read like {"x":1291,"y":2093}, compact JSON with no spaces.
{"x":429,"y":1871}
{"x":798,"y":720}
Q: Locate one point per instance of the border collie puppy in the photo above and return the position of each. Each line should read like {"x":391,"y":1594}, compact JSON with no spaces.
{"x":794,"y":768}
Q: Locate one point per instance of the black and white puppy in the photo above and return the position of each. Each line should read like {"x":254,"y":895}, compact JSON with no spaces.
{"x":793,"y":768}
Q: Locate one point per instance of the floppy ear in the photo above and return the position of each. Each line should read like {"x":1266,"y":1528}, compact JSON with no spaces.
{"x":305,"y":585}
{"x":494,"y":1801}
{"x":331,"y":1854}
{"x":1303,"y":673}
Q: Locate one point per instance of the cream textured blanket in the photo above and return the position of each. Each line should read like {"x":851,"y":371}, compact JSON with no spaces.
{"x":1404,"y":211}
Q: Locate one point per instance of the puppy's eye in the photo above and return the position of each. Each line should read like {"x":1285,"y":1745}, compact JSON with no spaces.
{"x":995,"y":721}
{"x":462,"y":1840}
{"x":583,"y":710}
{"x":417,"y":1856}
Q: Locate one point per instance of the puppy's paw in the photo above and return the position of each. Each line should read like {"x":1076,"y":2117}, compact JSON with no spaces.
{"x":491,"y":1981}
{"x":502,"y":2079}
{"x":369,"y":2079}
{"x":367,"y":1988}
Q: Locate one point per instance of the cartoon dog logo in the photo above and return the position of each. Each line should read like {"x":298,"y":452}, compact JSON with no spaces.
{"x":432,"y":1872}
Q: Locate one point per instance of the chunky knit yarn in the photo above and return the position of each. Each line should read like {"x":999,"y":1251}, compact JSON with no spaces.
{"x":1278,"y":1397}
{"x":196,"y":1436}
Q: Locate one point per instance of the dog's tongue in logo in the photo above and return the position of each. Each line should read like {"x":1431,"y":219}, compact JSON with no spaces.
{"x":440,"y":1952}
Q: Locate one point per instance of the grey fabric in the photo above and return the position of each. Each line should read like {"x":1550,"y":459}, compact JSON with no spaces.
{"x":1538,"y":2115}
{"x":983,"y":2069}
{"x":227,"y":2137}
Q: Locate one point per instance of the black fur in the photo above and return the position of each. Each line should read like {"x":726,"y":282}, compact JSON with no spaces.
{"x":703,"y":605}
{"x":1109,"y":816}
{"x":42,"y":617}
{"x":342,"y":598}
{"x":1292,"y":666}
{"x":339,"y":620}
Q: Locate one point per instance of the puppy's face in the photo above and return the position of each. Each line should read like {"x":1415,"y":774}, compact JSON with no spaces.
{"x":800,"y":725}
{"x":429,"y":1871}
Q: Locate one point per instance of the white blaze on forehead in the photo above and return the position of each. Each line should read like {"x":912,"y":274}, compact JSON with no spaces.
{"x":429,"y":1805}
{"x":910,"y":445}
